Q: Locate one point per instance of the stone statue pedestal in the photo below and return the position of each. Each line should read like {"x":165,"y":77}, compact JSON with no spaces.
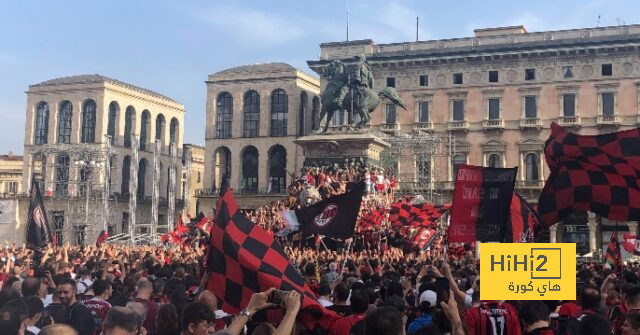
{"x":340,"y":147}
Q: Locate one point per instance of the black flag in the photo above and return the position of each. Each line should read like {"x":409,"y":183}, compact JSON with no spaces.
{"x":334,"y":217}
{"x":38,"y":233}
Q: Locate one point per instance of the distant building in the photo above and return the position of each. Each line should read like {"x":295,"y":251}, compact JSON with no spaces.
{"x":192,"y":177}
{"x":10,"y":174}
{"x":254,"y":114}
{"x":496,"y":93}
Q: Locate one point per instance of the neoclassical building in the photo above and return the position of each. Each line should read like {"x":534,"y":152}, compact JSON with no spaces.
{"x":68,"y":122}
{"x":495,"y":95}
{"x":254,"y":114}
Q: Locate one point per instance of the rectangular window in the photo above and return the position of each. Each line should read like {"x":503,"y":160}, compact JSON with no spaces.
{"x":391,"y":82}
{"x":458,"y":110}
{"x":607,"y":69}
{"x":530,"y":74}
{"x":457,"y":78}
{"x":493,"y":76}
{"x":567,"y":71}
{"x":494,"y":109}
{"x":608,"y":101}
{"x":391,"y":114}
{"x":424,"y":80}
{"x":530,"y":107}
{"x":423,"y":111}
{"x":569,"y":105}
{"x":11,"y":187}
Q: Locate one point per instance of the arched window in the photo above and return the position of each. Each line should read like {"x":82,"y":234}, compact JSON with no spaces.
{"x":126,"y":173}
{"x":113,"y":120}
{"x":62,"y":175}
{"x":531,"y":168}
{"x":456,"y":161}
{"x":145,"y":121}
{"x":304,"y":101}
{"x":142,"y":174}
{"x":129,"y":125}
{"x":160,"y":124}
{"x":65,"y":115}
{"x":250,"y":170}
{"x":251,"y":113}
{"x":224,"y":115}
{"x":279,"y":107}
{"x":174,"y":128}
{"x":315,"y":113}
{"x":222,"y":161}
{"x":494,"y":161}
{"x":277,"y":169}
{"x":89,"y":122}
{"x":42,"y":123}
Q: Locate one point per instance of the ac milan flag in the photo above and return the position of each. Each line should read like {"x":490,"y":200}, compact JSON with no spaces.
{"x":334,"y":217}
{"x":424,"y":237}
{"x":244,"y":259}
{"x":416,"y":215}
{"x":598,"y":173}
{"x":613,"y":257}
{"x":38,"y":232}
{"x":481,"y":201}
{"x":524,"y":222}
{"x":102,"y":237}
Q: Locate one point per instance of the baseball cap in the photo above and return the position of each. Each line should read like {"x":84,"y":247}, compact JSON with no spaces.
{"x":429,"y":296}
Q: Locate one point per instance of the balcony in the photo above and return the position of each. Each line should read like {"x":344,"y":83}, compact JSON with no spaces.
{"x":493,"y":124}
{"x":608,"y":120}
{"x":569,"y":121}
{"x":529,"y":184}
{"x":390,"y":127}
{"x":423,"y":125}
{"x":258,"y":191}
{"x":531,"y":122}
{"x":458,"y":125}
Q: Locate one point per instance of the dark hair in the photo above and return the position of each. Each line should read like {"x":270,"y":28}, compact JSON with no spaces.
{"x":532,"y":311}
{"x":100,"y":286}
{"x":9,"y":322}
{"x":341,"y":292}
{"x":395,"y":302}
{"x":633,"y":320}
{"x":594,"y":324}
{"x":122,"y":317}
{"x":69,"y":281}
{"x":633,"y":295}
{"x":34,"y":305}
{"x":196,"y":312}
{"x":383,"y":321}
{"x":167,"y":320}
{"x":30,"y":286}
{"x":324,"y":290}
{"x":359,"y":301}
{"x":590,"y":299}
{"x":18,"y":307}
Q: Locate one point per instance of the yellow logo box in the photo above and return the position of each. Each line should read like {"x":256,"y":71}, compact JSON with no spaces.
{"x":528,"y":271}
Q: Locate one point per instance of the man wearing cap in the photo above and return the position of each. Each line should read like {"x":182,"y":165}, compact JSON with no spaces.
{"x":427,"y":303}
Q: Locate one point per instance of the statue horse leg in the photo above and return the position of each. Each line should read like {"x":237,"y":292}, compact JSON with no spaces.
{"x":329,"y":115}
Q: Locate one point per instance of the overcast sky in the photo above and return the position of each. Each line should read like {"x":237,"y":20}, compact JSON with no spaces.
{"x":171,"y":46}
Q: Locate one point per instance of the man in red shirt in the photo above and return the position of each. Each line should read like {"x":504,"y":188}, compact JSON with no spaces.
{"x":359,"y":305}
{"x":535,"y":316}
{"x":145,"y":290}
{"x":99,"y":304}
{"x":492,"y":317}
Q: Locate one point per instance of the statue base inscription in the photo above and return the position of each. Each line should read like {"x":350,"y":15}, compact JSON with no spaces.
{"x":340,"y":148}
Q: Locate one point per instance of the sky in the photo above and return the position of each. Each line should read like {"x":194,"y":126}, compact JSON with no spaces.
{"x":171,"y":46}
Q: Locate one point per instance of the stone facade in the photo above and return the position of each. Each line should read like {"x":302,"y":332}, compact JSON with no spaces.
{"x":256,"y":112}
{"x":192,"y":177}
{"x":66,"y":126}
{"x":10,"y":174}
{"x":497,"y":93}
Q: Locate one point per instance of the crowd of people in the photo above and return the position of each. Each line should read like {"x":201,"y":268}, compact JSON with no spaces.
{"x":119,"y":289}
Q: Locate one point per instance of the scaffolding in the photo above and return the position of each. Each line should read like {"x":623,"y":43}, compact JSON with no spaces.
{"x":419,"y":149}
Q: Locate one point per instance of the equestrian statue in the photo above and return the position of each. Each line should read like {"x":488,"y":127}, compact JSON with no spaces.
{"x":351,"y":85}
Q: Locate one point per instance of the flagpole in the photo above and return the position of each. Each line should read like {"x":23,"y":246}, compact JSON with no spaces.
{"x":324,"y":245}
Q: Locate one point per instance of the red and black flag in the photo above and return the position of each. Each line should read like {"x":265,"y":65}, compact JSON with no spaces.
{"x":416,"y":215}
{"x":613,"y":256}
{"x":524,"y":222}
{"x":481,"y":201}
{"x":598,"y":173}
{"x":334,"y":217}
{"x":38,"y":232}
{"x":244,"y":259}
{"x":424,"y":237}
{"x":631,"y":243}
{"x":102,"y":237}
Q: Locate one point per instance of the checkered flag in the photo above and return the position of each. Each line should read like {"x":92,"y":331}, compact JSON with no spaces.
{"x":598,"y":173}
{"x":613,"y":257}
{"x":244,"y":259}
{"x":416,"y":215}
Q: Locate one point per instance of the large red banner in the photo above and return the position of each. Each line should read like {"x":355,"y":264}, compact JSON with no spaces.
{"x":466,"y":200}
